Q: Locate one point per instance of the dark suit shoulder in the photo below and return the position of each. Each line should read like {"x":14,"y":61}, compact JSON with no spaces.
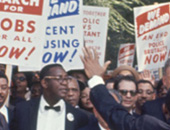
{"x":81,"y":119}
{"x":153,"y":105}
{"x":92,"y":125}
{"x":154,"y":108}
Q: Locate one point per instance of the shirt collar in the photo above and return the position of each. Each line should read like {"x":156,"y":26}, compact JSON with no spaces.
{"x":44,"y":103}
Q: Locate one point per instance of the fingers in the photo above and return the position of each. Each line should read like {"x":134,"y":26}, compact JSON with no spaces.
{"x":107,"y":64}
{"x":85,"y":53}
{"x":96,"y":57}
{"x":82,"y":59}
{"x":89,"y":52}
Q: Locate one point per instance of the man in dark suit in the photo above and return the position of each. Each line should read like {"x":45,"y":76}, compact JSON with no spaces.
{"x":4,"y":91}
{"x":156,"y":108}
{"x":50,"y":111}
{"x":113,"y":113}
{"x":3,"y":123}
{"x":159,"y":108}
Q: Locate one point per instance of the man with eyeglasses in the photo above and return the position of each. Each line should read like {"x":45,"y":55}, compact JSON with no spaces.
{"x":156,"y":107}
{"x":50,"y":111}
{"x":127,"y":88}
{"x":117,"y":117}
{"x":146,"y":92}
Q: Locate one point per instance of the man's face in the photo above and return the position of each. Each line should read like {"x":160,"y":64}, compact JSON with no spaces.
{"x":85,"y":98}
{"x":127,"y":90}
{"x":55,"y":84}
{"x":3,"y":90}
{"x":73,"y":93}
{"x":166,"y":78}
{"x":36,"y":90}
{"x":145,"y":93}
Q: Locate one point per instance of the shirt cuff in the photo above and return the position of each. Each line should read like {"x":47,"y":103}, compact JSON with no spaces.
{"x":95,"y":80}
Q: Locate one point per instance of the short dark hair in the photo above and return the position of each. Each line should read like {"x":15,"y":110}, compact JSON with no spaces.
{"x":120,"y":78}
{"x":167,"y":64}
{"x":45,"y":70}
{"x":145,"y":81}
{"x":2,"y":75}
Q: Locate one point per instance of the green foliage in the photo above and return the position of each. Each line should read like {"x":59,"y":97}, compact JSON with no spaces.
{"x":121,"y":23}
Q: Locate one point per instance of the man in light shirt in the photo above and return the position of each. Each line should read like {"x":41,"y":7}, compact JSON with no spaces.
{"x":4,"y":91}
{"x":50,"y":111}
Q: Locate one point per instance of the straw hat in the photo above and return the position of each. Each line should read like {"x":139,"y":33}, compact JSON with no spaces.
{"x":126,"y":67}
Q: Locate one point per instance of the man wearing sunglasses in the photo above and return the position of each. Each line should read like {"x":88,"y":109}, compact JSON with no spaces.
{"x":127,"y":88}
{"x":50,"y":111}
{"x":113,"y":113}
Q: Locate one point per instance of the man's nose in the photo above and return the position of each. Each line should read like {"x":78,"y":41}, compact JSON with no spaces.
{"x":128,"y":94}
{"x":144,"y":94}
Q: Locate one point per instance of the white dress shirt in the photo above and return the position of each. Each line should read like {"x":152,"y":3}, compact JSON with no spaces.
{"x":4,"y":111}
{"x":50,"y":119}
{"x":95,"y":80}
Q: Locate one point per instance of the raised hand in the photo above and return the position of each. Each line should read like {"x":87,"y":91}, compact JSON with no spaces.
{"x":91,"y":63}
{"x":146,"y":75}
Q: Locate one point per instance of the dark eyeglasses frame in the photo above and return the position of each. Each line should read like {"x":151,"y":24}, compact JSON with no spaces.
{"x":58,"y":78}
{"x":20,"y":78}
{"x":147,"y":92}
{"x":125,"y":92}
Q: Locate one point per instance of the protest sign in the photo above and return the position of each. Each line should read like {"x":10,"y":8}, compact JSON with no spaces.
{"x":152,"y":32}
{"x":22,"y":31}
{"x":126,"y":54}
{"x":64,"y":34}
{"x":95,"y":21}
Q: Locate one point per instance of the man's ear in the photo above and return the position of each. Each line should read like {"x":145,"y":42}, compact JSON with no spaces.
{"x":44,"y":83}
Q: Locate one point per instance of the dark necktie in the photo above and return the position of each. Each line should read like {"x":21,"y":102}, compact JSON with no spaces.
{"x":57,"y":108}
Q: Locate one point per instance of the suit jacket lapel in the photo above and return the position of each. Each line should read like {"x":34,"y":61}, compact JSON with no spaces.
{"x":70,"y":119}
{"x":34,"y":113}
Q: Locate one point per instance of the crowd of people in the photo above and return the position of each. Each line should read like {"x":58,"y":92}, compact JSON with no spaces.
{"x":53,"y":99}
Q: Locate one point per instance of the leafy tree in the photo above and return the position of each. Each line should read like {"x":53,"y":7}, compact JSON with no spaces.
{"x":121,"y":25}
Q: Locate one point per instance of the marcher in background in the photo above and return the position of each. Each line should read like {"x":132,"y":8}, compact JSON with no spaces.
{"x":126,"y":70}
{"x":161,"y":89}
{"x":36,"y":89}
{"x":146,"y":92}
{"x":85,"y":102}
{"x":155,"y":107}
{"x":113,"y":113}
{"x":20,"y":88}
{"x":73,"y":93}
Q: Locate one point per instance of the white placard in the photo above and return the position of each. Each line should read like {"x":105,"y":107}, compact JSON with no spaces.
{"x":22,"y":31}
{"x":126,"y":54}
{"x":152,"y":26}
{"x":95,"y":23}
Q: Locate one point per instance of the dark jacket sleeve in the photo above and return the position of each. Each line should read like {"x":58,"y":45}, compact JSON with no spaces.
{"x":117,"y":117}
